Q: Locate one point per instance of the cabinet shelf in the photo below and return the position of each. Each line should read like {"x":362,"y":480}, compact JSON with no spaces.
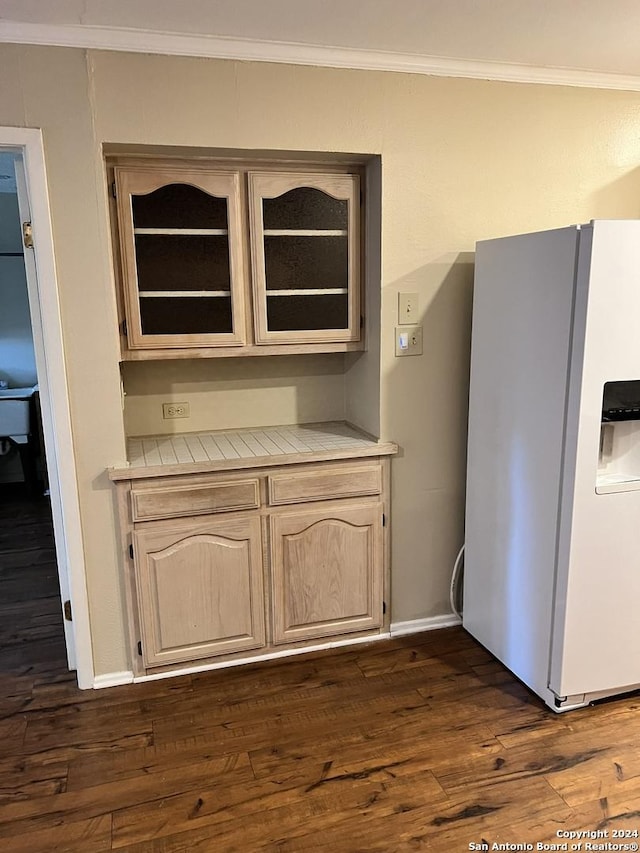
{"x":198,"y":232}
{"x":304,"y":232}
{"x":327,"y":291}
{"x":177,"y":294}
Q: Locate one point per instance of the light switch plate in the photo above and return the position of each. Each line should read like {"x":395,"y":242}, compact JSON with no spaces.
{"x":408,"y":340}
{"x":407,"y":309}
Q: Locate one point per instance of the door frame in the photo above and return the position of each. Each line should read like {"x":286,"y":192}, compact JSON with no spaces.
{"x":48,"y":343}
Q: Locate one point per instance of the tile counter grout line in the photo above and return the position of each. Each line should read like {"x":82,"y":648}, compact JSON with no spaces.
{"x":245,"y":443}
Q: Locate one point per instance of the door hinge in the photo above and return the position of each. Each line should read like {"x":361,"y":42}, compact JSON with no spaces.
{"x":384,"y":520}
{"x":114,"y":191}
{"x":123,"y":328}
{"x":140,"y":647}
{"x":66,"y":609}
{"x":27,"y":235}
{"x":384,"y":606}
{"x":131,"y":552}
{"x":361,"y":321}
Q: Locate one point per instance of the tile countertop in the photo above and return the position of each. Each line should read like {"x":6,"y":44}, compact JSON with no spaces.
{"x":224,"y":450}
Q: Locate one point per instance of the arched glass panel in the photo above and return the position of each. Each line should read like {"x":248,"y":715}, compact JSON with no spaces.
{"x":179,"y":206}
{"x":305,"y":207}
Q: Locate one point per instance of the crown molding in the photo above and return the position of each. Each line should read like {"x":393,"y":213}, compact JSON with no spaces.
{"x":251,"y":50}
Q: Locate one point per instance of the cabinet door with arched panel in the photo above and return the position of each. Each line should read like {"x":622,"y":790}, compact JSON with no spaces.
{"x":305,"y":249}
{"x":200,"y":589}
{"x":327,"y":571}
{"x":181,"y":255}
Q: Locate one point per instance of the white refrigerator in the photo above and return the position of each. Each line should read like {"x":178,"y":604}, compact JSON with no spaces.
{"x":552,"y":539}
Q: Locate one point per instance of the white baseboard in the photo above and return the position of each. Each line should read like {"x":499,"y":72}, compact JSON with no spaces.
{"x":285,"y":653}
{"x":112,"y":679}
{"x":432,"y":623}
{"x":397,"y":629}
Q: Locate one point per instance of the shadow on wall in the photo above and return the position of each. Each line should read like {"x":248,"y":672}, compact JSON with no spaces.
{"x":437,"y":383}
{"x":426,"y":410}
{"x":617,"y":200}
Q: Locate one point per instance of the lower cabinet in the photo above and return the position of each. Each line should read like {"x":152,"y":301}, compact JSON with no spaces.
{"x":326,"y":570}
{"x":227,"y":565}
{"x":200,"y":590}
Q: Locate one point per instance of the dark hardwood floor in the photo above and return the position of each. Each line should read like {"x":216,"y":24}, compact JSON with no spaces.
{"x":422,"y":743}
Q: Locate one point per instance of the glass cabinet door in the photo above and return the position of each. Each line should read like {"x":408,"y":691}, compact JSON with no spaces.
{"x":181,"y":257}
{"x":305,"y":247}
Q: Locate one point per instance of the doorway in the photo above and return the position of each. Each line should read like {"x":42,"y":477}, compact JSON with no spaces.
{"x":23,"y":148}
{"x":19,"y":430}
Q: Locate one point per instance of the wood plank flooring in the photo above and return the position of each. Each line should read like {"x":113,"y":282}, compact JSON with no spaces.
{"x":420,"y":743}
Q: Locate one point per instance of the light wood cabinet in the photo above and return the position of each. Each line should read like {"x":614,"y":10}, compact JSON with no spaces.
{"x":237,"y":261}
{"x":305,"y":251}
{"x":272,"y":557}
{"x":199,"y":589}
{"x":326,"y":572}
{"x":182,"y":264}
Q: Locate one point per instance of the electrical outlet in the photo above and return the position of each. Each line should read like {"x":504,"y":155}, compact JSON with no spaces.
{"x":409,"y":340}
{"x":175,"y":410}
{"x":407,"y":309}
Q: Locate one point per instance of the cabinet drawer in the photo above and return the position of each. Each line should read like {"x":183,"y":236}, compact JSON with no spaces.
{"x":298,"y":487}
{"x":148,"y":504}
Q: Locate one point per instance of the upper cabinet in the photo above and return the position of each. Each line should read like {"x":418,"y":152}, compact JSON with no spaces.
{"x":237,"y":261}
{"x":182,"y":264}
{"x":305,"y":247}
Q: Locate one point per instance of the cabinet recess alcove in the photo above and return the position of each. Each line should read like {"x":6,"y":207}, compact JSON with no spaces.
{"x":259,"y":525}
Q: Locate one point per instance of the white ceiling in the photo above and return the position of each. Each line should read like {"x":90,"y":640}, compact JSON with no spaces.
{"x":580,"y":42}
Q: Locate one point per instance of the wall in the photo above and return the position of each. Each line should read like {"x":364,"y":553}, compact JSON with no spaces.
{"x":231,"y":393}
{"x":461,"y":160}
{"x":48,"y":88}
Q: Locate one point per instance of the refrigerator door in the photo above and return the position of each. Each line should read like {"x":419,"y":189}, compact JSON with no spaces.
{"x":522,"y":322}
{"x":596,"y":629}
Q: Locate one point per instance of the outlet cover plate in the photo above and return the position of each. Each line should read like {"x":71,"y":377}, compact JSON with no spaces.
{"x":175,"y":410}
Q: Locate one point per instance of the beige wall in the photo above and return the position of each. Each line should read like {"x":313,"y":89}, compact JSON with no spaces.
{"x":229,"y":393}
{"x":49,"y":88}
{"x":461,"y":160}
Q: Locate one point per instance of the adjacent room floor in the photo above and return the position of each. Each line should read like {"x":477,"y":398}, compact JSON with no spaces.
{"x":32,"y":637}
{"x":420,"y":743}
